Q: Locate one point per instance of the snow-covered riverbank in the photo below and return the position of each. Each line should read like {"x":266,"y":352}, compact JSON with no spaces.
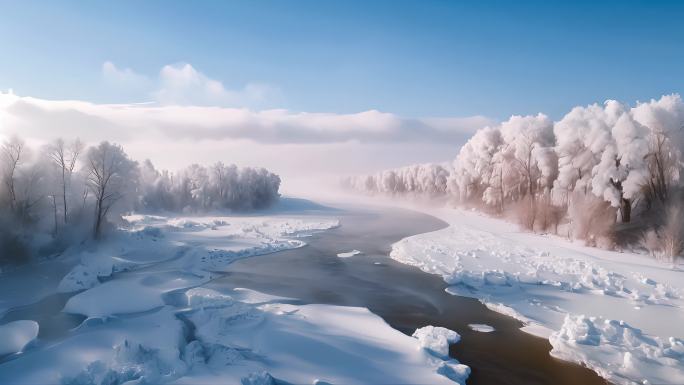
{"x":149,"y":320}
{"x":620,"y":314}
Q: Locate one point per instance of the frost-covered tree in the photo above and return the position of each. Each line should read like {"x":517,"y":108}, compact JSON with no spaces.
{"x":223,"y":179}
{"x":428,"y":180}
{"x":622,"y":168}
{"x":156,"y":188}
{"x":38,"y":193}
{"x":12,"y":152}
{"x":64,"y":158}
{"x":527,"y":143}
{"x":200,"y":189}
{"x":602,"y":158}
{"x":665,"y":120}
{"x":475,"y":163}
{"x":111,"y":176}
{"x":198,"y":184}
{"x":581,"y":137}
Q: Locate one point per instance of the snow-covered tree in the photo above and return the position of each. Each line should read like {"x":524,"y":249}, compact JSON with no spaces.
{"x":41,"y":190}
{"x":622,"y":168}
{"x":665,"y":120}
{"x":581,"y":136}
{"x":112,"y":177}
{"x":527,"y":143}
{"x":428,"y":180}
{"x":63,"y":157}
{"x":13,"y":152}
{"x":608,"y":157}
{"x":475,"y":163}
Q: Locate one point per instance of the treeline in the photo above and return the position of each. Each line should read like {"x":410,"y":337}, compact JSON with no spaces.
{"x":608,"y":174}
{"x":421,"y":179}
{"x":65,"y":192}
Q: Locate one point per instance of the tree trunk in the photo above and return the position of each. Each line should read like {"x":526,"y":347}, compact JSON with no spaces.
{"x":98,"y":218}
{"x":64,"y":197}
{"x":625,"y":210}
{"x":54,"y":206}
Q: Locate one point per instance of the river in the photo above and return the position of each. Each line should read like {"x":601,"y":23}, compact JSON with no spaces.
{"x":404,"y":296}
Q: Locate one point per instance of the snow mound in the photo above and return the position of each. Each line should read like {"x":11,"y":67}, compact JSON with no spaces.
{"x":349,"y":254}
{"x":482,"y":328}
{"x":14,"y":336}
{"x":436,"y":339}
{"x":618,"y":352}
{"x":114,"y":297}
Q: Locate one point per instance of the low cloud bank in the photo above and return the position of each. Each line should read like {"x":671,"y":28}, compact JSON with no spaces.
{"x":44,"y":120}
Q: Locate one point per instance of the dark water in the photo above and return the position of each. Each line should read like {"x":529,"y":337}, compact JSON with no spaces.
{"x":405,"y":297}
{"x":48,"y":313}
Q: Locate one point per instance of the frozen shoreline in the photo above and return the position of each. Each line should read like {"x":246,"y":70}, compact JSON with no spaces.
{"x":618,"y":313}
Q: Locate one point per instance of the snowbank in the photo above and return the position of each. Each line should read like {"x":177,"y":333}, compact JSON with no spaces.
{"x":193,"y":243}
{"x":218,"y":339}
{"x":14,"y":336}
{"x":619,"y":352}
{"x":302,"y":344}
{"x":546,"y":282}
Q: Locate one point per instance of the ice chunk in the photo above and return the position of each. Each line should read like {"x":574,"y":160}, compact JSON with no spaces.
{"x":349,"y":254}
{"x":436,"y":339}
{"x":202,"y":297}
{"x":482,"y":328}
{"x":259,"y":378}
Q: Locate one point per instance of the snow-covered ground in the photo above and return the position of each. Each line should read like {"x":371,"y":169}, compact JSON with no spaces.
{"x":621,"y":314}
{"x":235,"y":335}
{"x":148,"y":319}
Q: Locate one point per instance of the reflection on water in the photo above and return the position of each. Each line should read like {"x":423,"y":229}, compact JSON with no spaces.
{"x":404,"y":296}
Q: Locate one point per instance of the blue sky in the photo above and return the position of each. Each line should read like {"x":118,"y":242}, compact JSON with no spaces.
{"x":411,"y":58}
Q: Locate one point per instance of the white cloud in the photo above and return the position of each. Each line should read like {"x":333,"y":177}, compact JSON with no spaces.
{"x":121,"y":75}
{"x":182,"y":84}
